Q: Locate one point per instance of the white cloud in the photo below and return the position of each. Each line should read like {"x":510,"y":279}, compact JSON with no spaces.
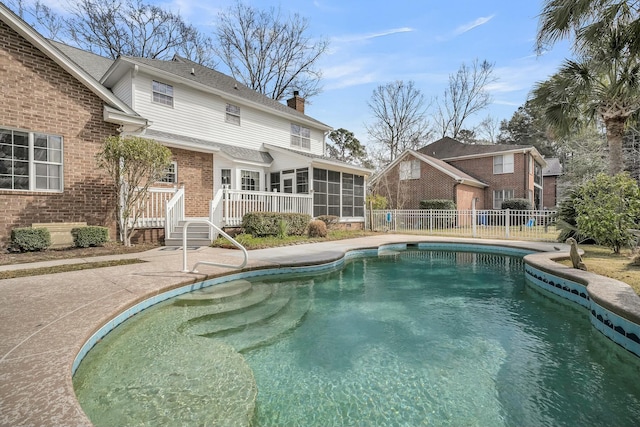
{"x":471,"y":25}
{"x":369,"y":36}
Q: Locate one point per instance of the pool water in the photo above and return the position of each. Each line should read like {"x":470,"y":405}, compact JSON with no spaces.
{"x":409,"y":338}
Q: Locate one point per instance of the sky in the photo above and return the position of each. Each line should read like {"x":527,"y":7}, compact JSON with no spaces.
{"x":375,"y":42}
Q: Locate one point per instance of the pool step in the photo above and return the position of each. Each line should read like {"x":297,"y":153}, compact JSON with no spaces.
{"x":269,"y":330}
{"x":216,"y":293}
{"x":214,"y":324}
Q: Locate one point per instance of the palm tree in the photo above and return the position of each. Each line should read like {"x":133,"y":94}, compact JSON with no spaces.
{"x":603,"y":84}
{"x":589,"y":21}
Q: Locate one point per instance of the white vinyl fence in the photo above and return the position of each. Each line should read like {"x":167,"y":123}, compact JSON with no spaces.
{"x":490,"y":224}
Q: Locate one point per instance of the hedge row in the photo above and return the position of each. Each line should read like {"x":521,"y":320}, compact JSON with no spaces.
{"x":28,"y":239}
{"x":260,"y":224}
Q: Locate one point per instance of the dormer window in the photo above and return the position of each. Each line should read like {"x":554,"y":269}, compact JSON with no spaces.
{"x":233,"y":114}
{"x":300,"y":136}
{"x":162,"y":93}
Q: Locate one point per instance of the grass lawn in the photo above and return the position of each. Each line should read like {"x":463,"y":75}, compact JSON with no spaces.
{"x":603,"y":261}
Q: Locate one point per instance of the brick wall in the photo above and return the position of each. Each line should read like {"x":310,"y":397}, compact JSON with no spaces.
{"x":38,"y":95}
{"x":549,"y":193}
{"x":407,"y":194}
{"x":195,"y":171}
{"x":465,"y":195}
{"x":482,"y":169}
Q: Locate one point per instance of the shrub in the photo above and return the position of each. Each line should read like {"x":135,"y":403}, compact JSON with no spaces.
{"x":517,"y":204}
{"x":317,"y":228}
{"x":329,"y":220}
{"x":261,"y":224}
{"x":607,"y":208}
{"x":283,"y":229}
{"x":376,"y":201}
{"x":30,"y":239}
{"x":439,"y":204}
{"x":83,"y":237}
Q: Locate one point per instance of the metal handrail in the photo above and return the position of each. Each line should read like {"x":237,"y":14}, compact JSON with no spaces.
{"x":231,"y":239}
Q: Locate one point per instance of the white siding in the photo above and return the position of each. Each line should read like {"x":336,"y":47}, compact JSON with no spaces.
{"x":202,"y":115}
{"x":122,"y":89}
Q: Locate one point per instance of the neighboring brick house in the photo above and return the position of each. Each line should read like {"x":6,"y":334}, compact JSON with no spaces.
{"x":505,"y":172}
{"x":414,"y":176}
{"x":550,"y":175}
{"x":52,"y":122}
{"x":60,"y":103}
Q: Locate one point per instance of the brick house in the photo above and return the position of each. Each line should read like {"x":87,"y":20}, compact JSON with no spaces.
{"x":494,"y":172}
{"x":550,"y":175}
{"x":52,"y":122}
{"x":223,"y":135}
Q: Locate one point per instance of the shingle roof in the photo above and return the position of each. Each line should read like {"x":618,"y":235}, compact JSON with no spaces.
{"x":317,"y":157}
{"x":447,"y":148}
{"x":234,"y":152}
{"x":451,"y":170}
{"x":553,"y":168}
{"x":93,"y":64}
{"x":182,"y":67}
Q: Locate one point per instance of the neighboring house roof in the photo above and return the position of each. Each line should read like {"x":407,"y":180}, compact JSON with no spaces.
{"x":553,"y":168}
{"x":93,"y":64}
{"x":442,"y":166}
{"x":321,"y":160}
{"x":230,"y":151}
{"x":208,"y":80}
{"x":449,"y":149}
{"x":125,"y":114}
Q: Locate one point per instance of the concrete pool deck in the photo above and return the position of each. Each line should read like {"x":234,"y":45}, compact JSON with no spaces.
{"x":45,"y":320}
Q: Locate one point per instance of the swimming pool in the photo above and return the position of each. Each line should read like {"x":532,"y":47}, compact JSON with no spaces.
{"x":407,"y":338}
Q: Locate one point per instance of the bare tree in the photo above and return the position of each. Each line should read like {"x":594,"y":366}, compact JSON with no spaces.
{"x":465,"y":96}
{"x":120,"y":27}
{"x":400,"y":119}
{"x":489,"y":129}
{"x":269,"y":53}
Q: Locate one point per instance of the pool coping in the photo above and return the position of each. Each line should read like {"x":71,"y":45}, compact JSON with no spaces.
{"x":37,"y":368}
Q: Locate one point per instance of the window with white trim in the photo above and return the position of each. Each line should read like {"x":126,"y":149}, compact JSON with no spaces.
{"x":500,"y":196}
{"x":170,"y":173}
{"x":233,"y":114}
{"x":250,"y":180}
{"x":162,"y":93}
{"x":225,"y":178}
{"x":503,"y":163}
{"x":300,"y":136}
{"x":30,"y":161}
{"x":410,"y":169}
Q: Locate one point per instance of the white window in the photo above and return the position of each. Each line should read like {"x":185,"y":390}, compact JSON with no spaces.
{"x":300,"y":136}
{"x":225,"y":178}
{"x":410,"y":169}
{"x":170,"y":173}
{"x":233,"y":114}
{"x":503,"y":164}
{"x":250,"y":180}
{"x":499,"y":196}
{"x":30,"y":161}
{"x":162,"y":93}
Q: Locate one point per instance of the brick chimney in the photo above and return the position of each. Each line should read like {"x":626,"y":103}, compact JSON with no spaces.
{"x":297,"y":103}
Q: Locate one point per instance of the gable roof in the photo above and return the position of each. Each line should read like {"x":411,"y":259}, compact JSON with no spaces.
{"x":448,"y":149}
{"x":56,"y":55}
{"x":442,"y":166}
{"x":95,"y":65}
{"x":206,"y":79}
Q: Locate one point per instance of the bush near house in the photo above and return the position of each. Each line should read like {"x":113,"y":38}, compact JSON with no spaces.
{"x":317,"y":228}
{"x":329,"y":220}
{"x":83,"y":237}
{"x":517,"y":204}
{"x":261,"y":224}
{"x":439,"y":204}
{"x":29,"y":239}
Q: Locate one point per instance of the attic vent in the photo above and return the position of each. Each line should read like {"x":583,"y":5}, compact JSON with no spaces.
{"x":235,"y":85}
{"x":193,"y":71}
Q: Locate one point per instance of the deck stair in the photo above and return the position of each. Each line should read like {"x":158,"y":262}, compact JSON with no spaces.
{"x":246,"y":318}
{"x":197,"y":234}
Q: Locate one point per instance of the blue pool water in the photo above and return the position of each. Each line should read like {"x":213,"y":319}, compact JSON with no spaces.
{"x":409,"y":338}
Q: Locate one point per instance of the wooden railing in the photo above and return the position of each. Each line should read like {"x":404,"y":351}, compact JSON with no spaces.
{"x":152,"y":209}
{"x":229,"y":206}
{"x":174,"y":212}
